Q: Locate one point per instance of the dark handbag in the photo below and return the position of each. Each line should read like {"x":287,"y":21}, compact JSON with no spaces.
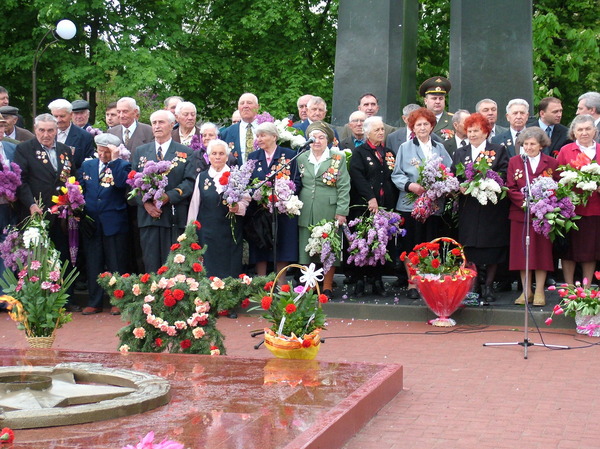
{"x":257,"y":228}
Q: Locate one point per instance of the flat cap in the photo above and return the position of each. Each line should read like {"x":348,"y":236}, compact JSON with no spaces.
{"x":438,"y":85}
{"x":105,"y":139}
{"x":80,"y":105}
{"x":9,"y":110}
{"x":323,"y":127}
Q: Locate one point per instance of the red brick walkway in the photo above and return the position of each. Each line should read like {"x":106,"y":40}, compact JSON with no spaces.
{"x":458,"y":394}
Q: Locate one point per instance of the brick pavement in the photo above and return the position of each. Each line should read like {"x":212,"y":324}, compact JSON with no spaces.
{"x":458,"y":394}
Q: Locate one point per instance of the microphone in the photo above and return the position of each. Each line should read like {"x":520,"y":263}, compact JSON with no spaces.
{"x":307,"y":144}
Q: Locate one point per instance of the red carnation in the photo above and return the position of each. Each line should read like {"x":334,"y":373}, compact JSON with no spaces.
{"x":185,"y":344}
{"x":224,"y":178}
{"x":266,"y":302}
{"x":195,"y":246}
{"x":268,"y":286}
{"x":162,"y":270}
{"x":178,"y":294}
{"x":290,"y":308}
{"x":285,"y":288}
{"x":126,"y":275}
{"x":197,"y":224}
{"x":242,"y":276}
{"x":324,"y":235}
{"x":103,"y":275}
{"x":144,"y":278}
{"x":306,"y":343}
{"x":435,"y":263}
{"x":245,"y":303}
{"x":170,"y":301}
{"x":323,"y":298}
{"x":403,"y":256}
{"x":158,"y":342}
{"x":7,"y":436}
{"x":455,"y":252}
{"x":223,"y":312}
{"x":423,"y":253}
{"x":175,"y":246}
{"x":203,"y":322}
{"x":131,"y":174}
{"x":119,"y":294}
{"x":197,"y":267}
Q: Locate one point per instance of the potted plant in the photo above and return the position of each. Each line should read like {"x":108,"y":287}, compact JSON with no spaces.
{"x":439,"y":270}
{"x":295,"y":314}
{"x":37,"y":294}
{"x":581,"y":302}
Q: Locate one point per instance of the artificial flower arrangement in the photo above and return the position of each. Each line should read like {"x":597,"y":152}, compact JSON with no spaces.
{"x":69,"y":205}
{"x":439,"y":270}
{"x":581,"y":302}
{"x":481,"y":182}
{"x":581,"y":178}
{"x":368,"y":237}
{"x":175,"y":309}
{"x":553,"y":213}
{"x":295,"y":314}
{"x":10,"y":180}
{"x":325,"y":240}
{"x":438,"y":182}
{"x":37,"y":295}
{"x":289,"y":136}
{"x":148,"y":443}
{"x":150,"y":182}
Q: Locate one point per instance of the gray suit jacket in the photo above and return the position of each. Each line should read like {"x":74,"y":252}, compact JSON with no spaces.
{"x":141,"y":135}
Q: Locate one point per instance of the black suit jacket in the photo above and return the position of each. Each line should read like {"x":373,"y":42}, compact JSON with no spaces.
{"x":82,"y":142}
{"x":559,"y":138}
{"x":38,"y":177}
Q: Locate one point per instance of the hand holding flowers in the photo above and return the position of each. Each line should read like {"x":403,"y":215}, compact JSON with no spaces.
{"x":481,"y":182}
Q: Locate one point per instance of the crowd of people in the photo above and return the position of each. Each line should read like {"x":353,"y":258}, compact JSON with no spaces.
{"x":382,"y":172}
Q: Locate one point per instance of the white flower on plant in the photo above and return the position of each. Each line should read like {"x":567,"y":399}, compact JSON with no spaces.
{"x":148,"y":298}
{"x":180,"y":325}
{"x":124,"y":349}
{"x":246,"y":280}
{"x":181,"y":238}
{"x":179,"y":258}
{"x":112,"y":281}
{"x":217,"y":284}
{"x":147,"y":309}
{"x":153,"y":287}
{"x":198,"y":332}
{"x":136,"y":290}
{"x":31,"y":237}
{"x":139,"y":332}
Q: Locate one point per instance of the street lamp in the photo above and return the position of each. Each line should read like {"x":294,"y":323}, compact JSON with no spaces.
{"x":65,"y":29}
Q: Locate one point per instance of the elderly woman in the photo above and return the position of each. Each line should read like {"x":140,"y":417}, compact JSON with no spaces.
{"x":371,"y":183}
{"x":209,"y":131}
{"x":532,"y":141}
{"x":483,"y":229}
{"x":584,"y":245}
{"x":221,"y":236}
{"x":270,"y":158}
{"x":411,"y":155}
{"x":325,"y":190}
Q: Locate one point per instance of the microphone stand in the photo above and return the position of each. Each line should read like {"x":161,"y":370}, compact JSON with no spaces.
{"x":526,"y":342}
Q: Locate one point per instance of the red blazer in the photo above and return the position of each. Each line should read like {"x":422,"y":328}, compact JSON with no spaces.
{"x":515,"y":181}
{"x":568,"y":153}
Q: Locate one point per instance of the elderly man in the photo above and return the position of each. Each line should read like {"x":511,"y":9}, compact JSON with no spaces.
{"x":80,"y":141}
{"x":4,"y":101}
{"x":240,"y":136}
{"x":111,"y":116}
{"x":236,"y":117}
{"x":404,"y":134}
{"x":171,"y":103}
{"x":460,"y":134}
{"x":81,"y":113}
{"x":317,"y":109}
{"x":549,"y":115}
{"x":12,"y":131}
{"x":131,"y":132}
{"x":369,"y":104}
{"x":185,"y":114}
{"x":160,"y":224}
{"x":589,"y":104}
{"x":105,"y":190}
{"x":357,"y":135}
{"x":517,"y":113}
{"x":302,"y":105}
{"x":434,"y":91}
{"x":489,"y":109}
{"x":45,"y":164}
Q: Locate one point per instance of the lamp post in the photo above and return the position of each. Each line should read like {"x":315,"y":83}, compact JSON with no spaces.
{"x":65,"y":29}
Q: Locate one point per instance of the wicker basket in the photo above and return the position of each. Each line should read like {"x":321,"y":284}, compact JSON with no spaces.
{"x":41,"y":342}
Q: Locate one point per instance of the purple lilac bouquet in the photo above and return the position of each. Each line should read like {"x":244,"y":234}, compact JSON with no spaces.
{"x":237,"y":183}
{"x":93,"y":131}
{"x":151,"y":182}
{"x":553,"y":213}
{"x":285,"y":200}
{"x":124,"y":153}
{"x":438,"y":182}
{"x":10,"y":179}
{"x":325,"y":241}
{"x":197,"y":144}
{"x":368,"y":241}
{"x":481,"y":182}
{"x":70,"y":205}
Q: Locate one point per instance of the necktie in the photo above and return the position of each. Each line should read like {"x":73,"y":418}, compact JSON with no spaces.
{"x":159,"y":153}
{"x":517,"y":136}
{"x":549,"y":131}
{"x":412,"y":135}
{"x":249,"y":139}
{"x":126,"y":136}
{"x":463,"y":143}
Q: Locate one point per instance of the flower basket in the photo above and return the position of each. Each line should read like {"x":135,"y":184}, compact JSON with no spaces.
{"x":588,"y":324}
{"x":284,"y":347}
{"x":442,"y":291}
{"x":41,"y":342}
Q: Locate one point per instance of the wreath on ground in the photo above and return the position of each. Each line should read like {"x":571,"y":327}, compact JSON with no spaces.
{"x":176,"y":309}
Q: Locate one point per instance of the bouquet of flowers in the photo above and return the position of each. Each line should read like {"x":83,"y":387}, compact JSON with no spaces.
{"x":553,"y":213}
{"x":285,"y":200}
{"x":435,"y":259}
{"x":38,"y":293}
{"x":326,"y":241}
{"x":481,"y":182}
{"x":150,"y":182}
{"x":197,"y":143}
{"x":581,"y":174}
{"x":10,"y":179}
{"x":236,"y":183}
{"x":69,"y":204}
{"x":93,"y":131}
{"x":288,"y":135}
{"x":438,"y":182}
{"x":371,"y":234}
{"x":20,"y":241}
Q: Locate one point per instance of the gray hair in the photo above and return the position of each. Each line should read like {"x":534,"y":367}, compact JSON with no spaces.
{"x":184,"y":104}
{"x":61,"y":103}
{"x":208,"y":125}
{"x":267,"y":127}
{"x":168,"y":100}
{"x":369,"y":122}
{"x":216,"y":142}
{"x":406,"y":110}
{"x":592,"y":100}
{"x":254,"y":97}
{"x":458,"y":115}
{"x":356,"y":113}
{"x":534,"y":132}
{"x":130,"y":101}
{"x":485,"y":100}
{"x":170,"y":115}
{"x":44,"y":118}
{"x":516,"y":101}
{"x":579,"y":120}
{"x":316,"y":100}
